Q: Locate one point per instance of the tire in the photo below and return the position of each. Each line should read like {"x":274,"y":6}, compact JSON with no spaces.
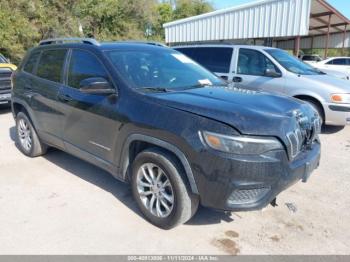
{"x":27,"y":138}
{"x":165,"y":167}
{"x":318,"y":110}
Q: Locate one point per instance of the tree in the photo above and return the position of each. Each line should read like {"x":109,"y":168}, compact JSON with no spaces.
{"x":188,"y":8}
{"x":23,"y":23}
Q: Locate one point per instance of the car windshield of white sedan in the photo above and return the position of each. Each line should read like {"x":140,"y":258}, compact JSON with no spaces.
{"x":292,"y":64}
{"x":161,"y":70}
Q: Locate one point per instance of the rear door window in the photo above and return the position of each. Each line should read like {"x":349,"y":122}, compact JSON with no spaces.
{"x":84,"y":65}
{"x":51,"y":64}
{"x":338,"y":61}
{"x":31,"y":62}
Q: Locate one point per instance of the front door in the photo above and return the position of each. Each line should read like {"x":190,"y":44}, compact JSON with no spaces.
{"x":91,"y":123}
{"x":256,"y":71}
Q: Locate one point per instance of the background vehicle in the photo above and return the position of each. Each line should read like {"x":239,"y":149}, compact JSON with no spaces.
{"x":6,"y":70}
{"x":274,"y":70}
{"x":151,"y":116}
{"x":337,"y":64}
{"x":311,"y":59}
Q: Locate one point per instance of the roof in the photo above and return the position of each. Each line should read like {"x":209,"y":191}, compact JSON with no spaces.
{"x":319,"y":17}
{"x":256,"y":47}
{"x":260,"y":19}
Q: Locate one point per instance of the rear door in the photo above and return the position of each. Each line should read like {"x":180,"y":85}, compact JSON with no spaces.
{"x":216,"y":59}
{"x":44,"y":85}
{"x":91,"y":124}
{"x":251,"y":72}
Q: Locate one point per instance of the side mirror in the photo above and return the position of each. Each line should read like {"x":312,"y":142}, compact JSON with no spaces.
{"x":272,"y":73}
{"x":96,"y":86}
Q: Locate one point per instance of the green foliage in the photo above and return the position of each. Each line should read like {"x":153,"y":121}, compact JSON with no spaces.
{"x":23,"y":23}
{"x":331,"y":52}
{"x":187,"y":8}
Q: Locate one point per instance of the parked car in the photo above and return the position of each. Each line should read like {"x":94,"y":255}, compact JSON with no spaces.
{"x":6,"y":70}
{"x":155,"y":118}
{"x":274,"y":70}
{"x":311,"y":59}
{"x":335,"y":64}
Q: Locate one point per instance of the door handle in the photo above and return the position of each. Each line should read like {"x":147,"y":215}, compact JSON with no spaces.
{"x":65,"y":97}
{"x":237,"y":79}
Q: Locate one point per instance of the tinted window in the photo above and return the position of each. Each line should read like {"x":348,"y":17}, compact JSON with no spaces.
{"x":216,"y":59}
{"x":190,"y":52}
{"x":252,"y":62}
{"x":31,"y":62}
{"x":311,"y":58}
{"x":51,"y":64}
{"x":338,"y":61}
{"x":84,"y":65}
{"x":161,"y":68}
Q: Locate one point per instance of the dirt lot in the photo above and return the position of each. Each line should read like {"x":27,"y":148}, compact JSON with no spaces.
{"x":58,"y":204}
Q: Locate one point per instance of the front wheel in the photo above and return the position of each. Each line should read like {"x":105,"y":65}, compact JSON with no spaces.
{"x":318,"y":109}
{"x":160,"y":190}
{"x":27,"y":138}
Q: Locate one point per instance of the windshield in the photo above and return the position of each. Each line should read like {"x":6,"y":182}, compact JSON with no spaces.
{"x":161,"y":69}
{"x":292,"y":64}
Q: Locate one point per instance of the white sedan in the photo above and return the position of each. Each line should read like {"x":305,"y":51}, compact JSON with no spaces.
{"x":335,"y":64}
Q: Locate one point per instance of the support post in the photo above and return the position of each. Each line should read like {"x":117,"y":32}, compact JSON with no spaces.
{"x":344,"y":37}
{"x":327,"y":39}
{"x":296,"y":46}
{"x":312,"y":44}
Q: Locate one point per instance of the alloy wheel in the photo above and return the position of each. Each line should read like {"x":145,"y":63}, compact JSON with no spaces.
{"x":155,"y":190}
{"x":24,"y":134}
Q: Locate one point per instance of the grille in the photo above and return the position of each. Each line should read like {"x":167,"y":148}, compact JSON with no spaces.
{"x":303,"y":138}
{"x":296,"y":142}
{"x":5,"y":78}
{"x":246,"y":196}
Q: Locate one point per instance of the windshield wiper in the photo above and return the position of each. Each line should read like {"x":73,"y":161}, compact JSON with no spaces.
{"x":154,"y":88}
{"x":202,"y":86}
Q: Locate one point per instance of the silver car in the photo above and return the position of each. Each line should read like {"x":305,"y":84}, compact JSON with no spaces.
{"x":274,"y":70}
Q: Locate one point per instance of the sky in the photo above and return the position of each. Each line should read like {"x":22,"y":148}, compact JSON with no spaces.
{"x":342,"y":5}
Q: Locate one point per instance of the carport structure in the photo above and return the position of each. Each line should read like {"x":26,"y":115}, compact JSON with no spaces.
{"x":325,"y":20}
{"x":273,"y":22}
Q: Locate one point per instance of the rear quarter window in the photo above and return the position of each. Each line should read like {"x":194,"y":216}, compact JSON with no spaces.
{"x":215,"y":59}
{"x":51,"y":64}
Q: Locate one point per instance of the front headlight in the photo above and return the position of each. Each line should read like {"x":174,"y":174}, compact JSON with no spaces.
{"x":340,"y":98}
{"x":241,"y":144}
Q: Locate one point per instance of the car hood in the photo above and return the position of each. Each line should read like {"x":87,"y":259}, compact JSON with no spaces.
{"x":331,"y":83}
{"x":11,"y":66}
{"x":251,"y":113}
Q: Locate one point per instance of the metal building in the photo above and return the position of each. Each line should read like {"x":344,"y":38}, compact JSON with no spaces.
{"x":283,"y":23}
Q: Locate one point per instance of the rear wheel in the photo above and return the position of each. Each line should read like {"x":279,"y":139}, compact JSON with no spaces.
{"x":160,"y":191}
{"x":27,"y":138}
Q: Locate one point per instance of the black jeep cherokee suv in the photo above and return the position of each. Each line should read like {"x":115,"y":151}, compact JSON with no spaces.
{"x":152,"y":117}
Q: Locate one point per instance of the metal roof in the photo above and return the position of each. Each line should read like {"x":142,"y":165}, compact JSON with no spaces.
{"x":261,"y":19}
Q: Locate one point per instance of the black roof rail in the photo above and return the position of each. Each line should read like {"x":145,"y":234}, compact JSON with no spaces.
{"x":146,"y":42}
{"x":89,"y":41}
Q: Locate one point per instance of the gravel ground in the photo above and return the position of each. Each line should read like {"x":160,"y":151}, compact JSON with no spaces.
{"x":58,"y":204}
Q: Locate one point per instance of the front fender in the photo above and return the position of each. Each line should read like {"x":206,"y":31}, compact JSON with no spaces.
{"x":162,"y":144}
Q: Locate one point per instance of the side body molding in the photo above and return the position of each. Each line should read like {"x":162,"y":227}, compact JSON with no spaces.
{"x":163,"y":144}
